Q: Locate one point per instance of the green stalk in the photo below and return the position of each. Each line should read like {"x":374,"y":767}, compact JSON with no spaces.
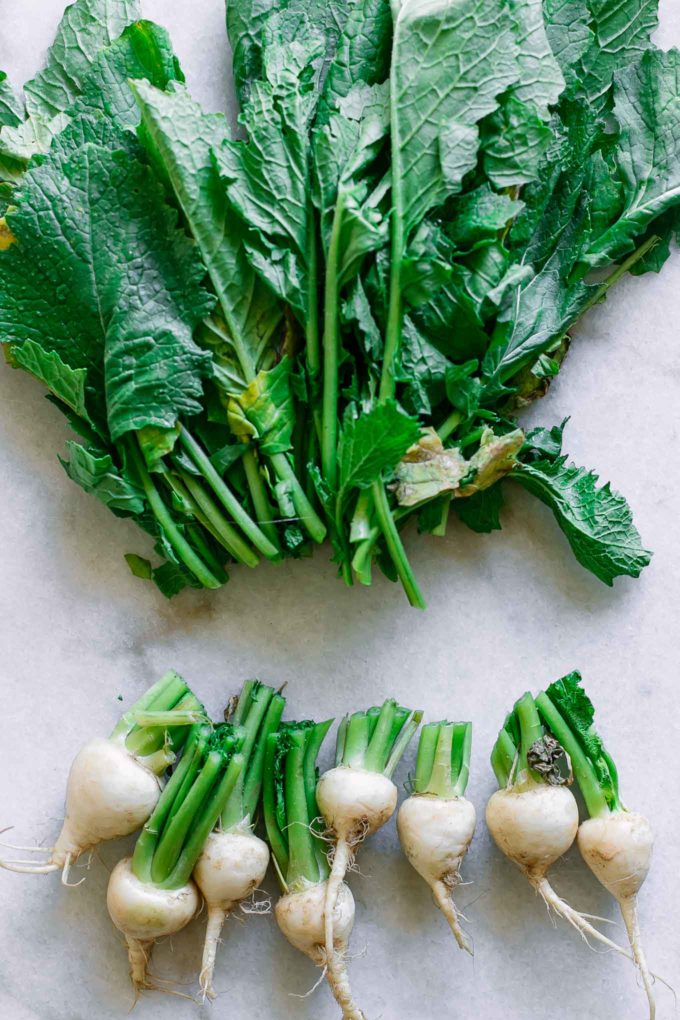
{"x":258,"y":713}
{"x":303,"y":863}
{"x":405,"y":738}
{"x":462,"y":750}
{"x":226,"y":496}
{"x":187,"y":769}
{"x":503,"y":759}
{"x":227,"y":535}
{"x":449,"y":425}
{"x":312,"y":324}
{"x":531,"y":730}
{"x":427,"y":750}
{"x":204,"y":825}
{"x":164,"y":694}
{"x":381,"y":741}
{"x":307,"y":515}
{"x":395,"y":546}
{"x":593,"y":795}
{"x":275,"y":836}
{"x":181,"y":547}
{"x":263,"y":508}
{"x":331,"y":348}
{"x":255,"y":776}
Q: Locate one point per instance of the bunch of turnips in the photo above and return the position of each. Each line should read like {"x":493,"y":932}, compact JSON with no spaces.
{"x":217,"y":802}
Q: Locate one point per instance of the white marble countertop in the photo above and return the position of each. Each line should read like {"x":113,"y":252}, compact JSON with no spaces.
{"x":507,"y":612}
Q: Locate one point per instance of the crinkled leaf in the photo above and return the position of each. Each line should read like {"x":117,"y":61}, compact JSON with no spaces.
{"x":372,"y":442}
{"x":541,"y":81}
{"x":362,"y":53}
{"x":181,"y":139}
{"x":598,"y":523}
{"x":267,"y":176}
{"x":481,"y":512}
{"x":264,"y":410}
{"x":622,"y":30}
{"x":11,"y":107}
{"x":120,"y":269}
{"x":451,"y":59}
{"x":515,"y":139}
{"x":647,"y":108}
{"x":423,"y":370}
{"x":97,"y":474}
{"x":67,"y":384}
{"x":86,"y":27}
{"x":479,"y":215}
{"x":569,"y":34}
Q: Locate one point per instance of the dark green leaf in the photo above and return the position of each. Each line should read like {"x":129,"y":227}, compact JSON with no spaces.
{"x":372,"y":442}
{"x":597,"y":522}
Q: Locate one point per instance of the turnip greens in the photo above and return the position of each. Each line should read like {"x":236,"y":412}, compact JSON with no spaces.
{"x":327,"y":324}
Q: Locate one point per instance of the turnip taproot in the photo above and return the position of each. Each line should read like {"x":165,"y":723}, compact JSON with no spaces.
{"x":114,"y":783}
{"x":615,"y":843}
{"x":436,"y":823}
{"x":234,"y":860}
{"x":358,"y":796}
{"x":533,"y":817}
{"x":151,"y":894}
{"x":300,"y":854}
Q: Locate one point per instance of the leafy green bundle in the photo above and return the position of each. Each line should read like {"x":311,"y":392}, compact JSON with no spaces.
{"x":330,"y":324}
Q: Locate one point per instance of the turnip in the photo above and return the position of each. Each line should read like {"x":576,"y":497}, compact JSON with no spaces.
{"x":533,"y":817}
{"x":151,"y":894}
{"x":615,"y":843}
{"x":356,"y":798}
{"x":300,"y":854}
{"x":114,"y":783}
{"x":234,"y":860}
{"x":436,"y":823}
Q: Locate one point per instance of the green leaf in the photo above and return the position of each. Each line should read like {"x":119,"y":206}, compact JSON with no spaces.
{"x":120,"y":269}
{"x":172,"y":578}
{"x":622,"y":30}
{"x":181,"y":139}
{"x":267,"y":177}
{"x":67,"y":384}
{"x":264,"y":410}
{"x":423,"y":370}
{"x":362,"y":53}
{"x":597,"y":522}
{"x":139,"y":566}
{"x":481,"y":512}
{"x":450,"y":62}
{"x":97,"y":474}
{"x":568,"y":31}
{"x":479,"y":215}
{"x":86,"y":27}
{"x":372,"y":442}
{"x":11,"y":107}
{"x":541,"y":81}
{"x":514,"y":140}
{"x":143,"y":51}
{"x":647,"y":108}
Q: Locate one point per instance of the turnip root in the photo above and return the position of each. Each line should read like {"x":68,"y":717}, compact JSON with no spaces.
{"x":145,"y":913}
{"x":436,"y":823}
{"x":533,"y":818}
{"x":151,"y":894}
{"x":300,"y":856}
{"x":114,"y":783}
{"x":616,"y":844}
{"x":234,"y":860}
{"x":357,"y":797}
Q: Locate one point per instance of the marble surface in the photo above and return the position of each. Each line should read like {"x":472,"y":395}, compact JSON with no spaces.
{"x":507,"y":612}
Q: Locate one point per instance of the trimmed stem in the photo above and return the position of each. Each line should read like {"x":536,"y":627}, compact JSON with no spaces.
{"x":176,"y":539}
{"x":531,"y":728}
{"x":592,"y":792}
{"x":226,"y":533}
{"x":258,"y":494}
{"x":395,"y":546}
{"x":405,"y":738}
{"x":226,"y":496}
{"x":303,"y":862}
{"x":307,"y":515}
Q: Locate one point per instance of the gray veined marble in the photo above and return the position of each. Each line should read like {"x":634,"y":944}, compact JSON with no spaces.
{"x":507,"y":612}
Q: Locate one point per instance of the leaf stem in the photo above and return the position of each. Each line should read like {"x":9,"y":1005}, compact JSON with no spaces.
{"x":226,"y":496}
{"x":395,"y":546}
{"x":331,"y":345}
{"x":184,"y":551}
